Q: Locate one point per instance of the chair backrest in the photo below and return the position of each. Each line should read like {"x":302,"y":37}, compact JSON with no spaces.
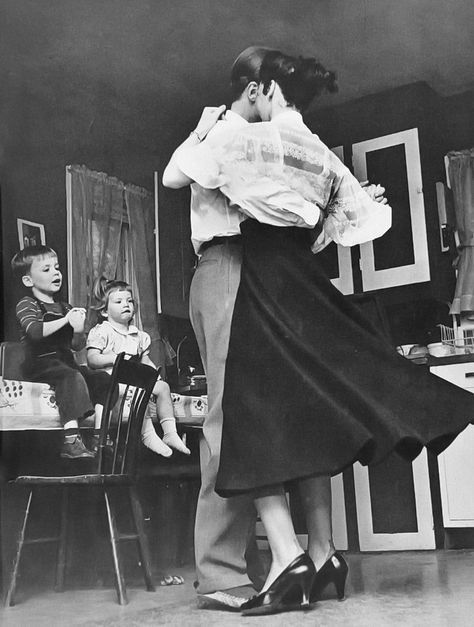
{"x":123,"y":428}
{"x":12,"y":357}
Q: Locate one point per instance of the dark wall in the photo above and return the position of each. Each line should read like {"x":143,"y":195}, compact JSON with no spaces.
{"x":62,"y":125}
{"x":458,"y":121}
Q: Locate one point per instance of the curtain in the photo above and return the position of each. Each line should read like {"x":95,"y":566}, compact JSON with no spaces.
{"x":461,"y":176}
{"x":97,"y":214}
{"x":139,"y":204}
{"x":111,"y":234}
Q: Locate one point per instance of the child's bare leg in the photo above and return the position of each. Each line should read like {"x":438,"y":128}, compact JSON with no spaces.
{"x":165,"y":414}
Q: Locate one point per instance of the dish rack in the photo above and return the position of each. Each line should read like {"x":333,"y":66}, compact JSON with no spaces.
{"x":462,"y":340}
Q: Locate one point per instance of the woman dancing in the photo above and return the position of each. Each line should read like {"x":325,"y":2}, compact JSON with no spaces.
{"x":310,"y":385}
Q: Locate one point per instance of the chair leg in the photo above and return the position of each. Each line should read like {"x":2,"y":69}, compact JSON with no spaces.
{"x":9,"y":601}
{"x":143,"y":547}
{"x":114,"y":540}
{"x":62,"y":542}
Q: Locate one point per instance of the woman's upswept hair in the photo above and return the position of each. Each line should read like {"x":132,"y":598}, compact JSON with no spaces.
{"x":246,"y":68}
{"x":102,"y":290}
{"x":301,"y":79}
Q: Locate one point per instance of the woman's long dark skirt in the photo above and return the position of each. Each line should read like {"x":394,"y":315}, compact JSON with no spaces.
{"x":311,"y":385}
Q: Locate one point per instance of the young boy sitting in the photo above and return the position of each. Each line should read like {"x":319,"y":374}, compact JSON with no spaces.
{"x":51,"y":331}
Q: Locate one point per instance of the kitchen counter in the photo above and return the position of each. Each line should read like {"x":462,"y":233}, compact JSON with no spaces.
{"x":449,"y":359}
{"x":430,"y":361}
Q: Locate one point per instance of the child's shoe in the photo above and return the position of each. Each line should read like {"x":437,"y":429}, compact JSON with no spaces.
{"x":75,"y":449}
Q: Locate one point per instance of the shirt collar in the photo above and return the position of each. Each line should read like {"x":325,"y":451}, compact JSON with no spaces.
{"x":132,"y":329}
{"x":235,"y":118}
{"x":288,"y":115}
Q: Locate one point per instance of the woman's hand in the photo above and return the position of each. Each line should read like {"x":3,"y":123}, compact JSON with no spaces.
{"x":208,"y":120}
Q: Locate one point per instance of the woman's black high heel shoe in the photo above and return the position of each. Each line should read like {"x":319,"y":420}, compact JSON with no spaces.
{"x":297,"y":576}
{"x":334,"y":570}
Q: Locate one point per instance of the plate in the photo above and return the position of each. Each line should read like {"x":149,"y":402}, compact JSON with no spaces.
{"x":417,"y":359}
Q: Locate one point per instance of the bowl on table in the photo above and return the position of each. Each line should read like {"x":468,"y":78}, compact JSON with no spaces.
{"x":438,"y":349}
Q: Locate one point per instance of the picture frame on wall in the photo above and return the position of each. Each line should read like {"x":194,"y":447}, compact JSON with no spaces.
{"x":30,"y":233}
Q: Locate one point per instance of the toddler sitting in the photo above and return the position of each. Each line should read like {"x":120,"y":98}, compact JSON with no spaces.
{"x":114,"y":335}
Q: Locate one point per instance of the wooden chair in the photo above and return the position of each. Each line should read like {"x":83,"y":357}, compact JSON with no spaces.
{"x":116,"y":466}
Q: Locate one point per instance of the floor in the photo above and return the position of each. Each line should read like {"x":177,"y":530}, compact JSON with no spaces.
{"x":434,"y":588}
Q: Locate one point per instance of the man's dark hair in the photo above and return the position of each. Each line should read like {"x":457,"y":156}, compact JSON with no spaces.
{"x":246,"y":68}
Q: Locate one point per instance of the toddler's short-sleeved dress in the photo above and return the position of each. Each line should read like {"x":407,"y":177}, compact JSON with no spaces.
{"x":106,"y":338}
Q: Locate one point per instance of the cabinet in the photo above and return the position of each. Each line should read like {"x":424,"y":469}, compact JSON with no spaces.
{"x":401,"y":518}
{"x":175,"y":255}
{"x":400,"y":257}
{"x":456,"y":463}
{"x":391,"y":137}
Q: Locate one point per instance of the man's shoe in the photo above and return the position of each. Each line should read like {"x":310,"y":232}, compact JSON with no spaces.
{"x":227,"y":600}
{"x":75,"y":449}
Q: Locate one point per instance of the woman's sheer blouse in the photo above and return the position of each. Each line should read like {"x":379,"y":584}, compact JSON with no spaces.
{"x":280,"y":173}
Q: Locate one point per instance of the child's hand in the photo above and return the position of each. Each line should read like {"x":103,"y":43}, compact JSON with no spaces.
{"x":76,"y":318}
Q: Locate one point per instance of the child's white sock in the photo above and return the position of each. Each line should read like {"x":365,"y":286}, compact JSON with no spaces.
{"x":71,"y":431}
{"x":171,"y":437}
{"x":151,"y":440}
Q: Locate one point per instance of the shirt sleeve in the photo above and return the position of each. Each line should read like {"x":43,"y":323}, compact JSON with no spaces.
{"x":96,"y":338}
{"x":352,"y":216}
{"x":30,"y":317}
{"x":246,"y":164}
{"x":145,"y":343}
